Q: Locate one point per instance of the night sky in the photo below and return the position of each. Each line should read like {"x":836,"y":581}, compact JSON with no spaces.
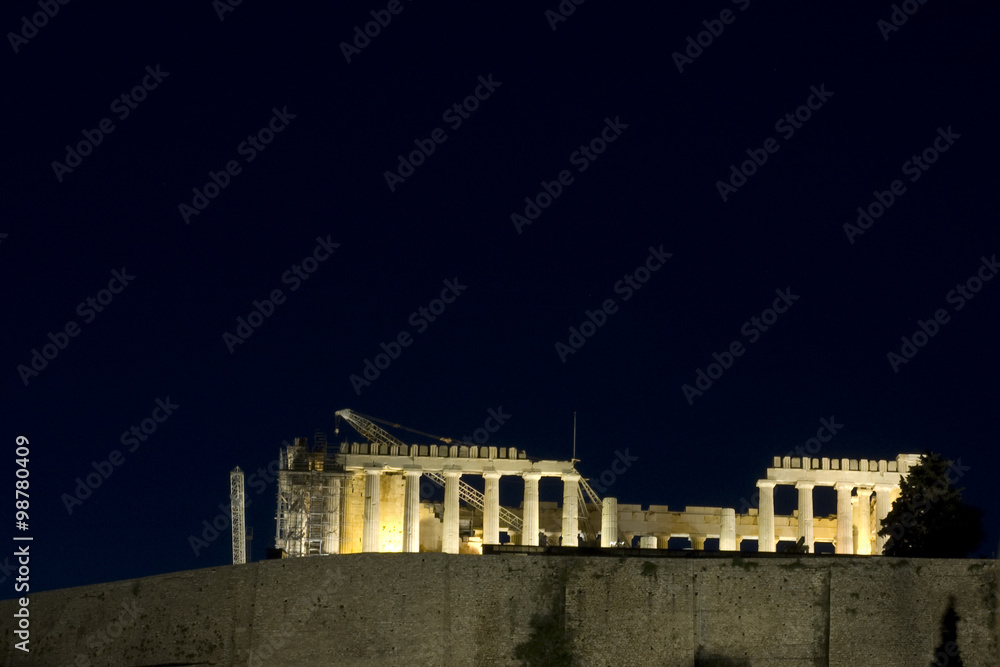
{"x":215,"y":216}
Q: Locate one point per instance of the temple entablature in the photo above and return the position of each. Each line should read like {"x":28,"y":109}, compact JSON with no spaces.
{"x":828,"y":472}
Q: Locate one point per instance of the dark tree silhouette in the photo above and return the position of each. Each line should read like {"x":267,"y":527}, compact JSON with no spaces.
{"x":930,"y":518}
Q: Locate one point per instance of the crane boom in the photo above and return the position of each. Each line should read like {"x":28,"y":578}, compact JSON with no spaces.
{"x":469,"y":494}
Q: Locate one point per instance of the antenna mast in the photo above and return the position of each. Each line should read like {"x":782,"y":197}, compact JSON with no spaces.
{"x":574,"y":437}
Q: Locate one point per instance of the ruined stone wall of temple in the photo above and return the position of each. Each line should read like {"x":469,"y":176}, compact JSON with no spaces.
{"x":353,"y":509}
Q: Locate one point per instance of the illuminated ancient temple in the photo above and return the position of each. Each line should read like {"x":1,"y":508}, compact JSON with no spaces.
{"x":375,"y":496}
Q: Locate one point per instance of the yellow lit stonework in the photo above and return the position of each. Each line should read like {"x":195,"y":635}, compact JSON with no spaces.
{"x":367,"y":497}
{"x":391,"y":513}
{"x":353,"y":519}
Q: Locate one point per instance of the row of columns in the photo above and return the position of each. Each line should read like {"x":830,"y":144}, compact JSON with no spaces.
{"x":609,"y":529}
{"x":491,"y":510}
{"x":845,"y":524}
{"x":727,"y":535}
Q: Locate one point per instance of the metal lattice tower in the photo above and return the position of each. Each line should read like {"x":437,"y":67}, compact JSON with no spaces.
{"x":236,"y":503}
{"x":308,"y":516}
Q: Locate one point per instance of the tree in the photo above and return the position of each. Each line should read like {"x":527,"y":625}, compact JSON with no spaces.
{"x":929,"y":518}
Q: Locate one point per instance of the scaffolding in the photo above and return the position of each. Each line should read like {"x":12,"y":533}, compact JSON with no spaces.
{"x":308,"y":518}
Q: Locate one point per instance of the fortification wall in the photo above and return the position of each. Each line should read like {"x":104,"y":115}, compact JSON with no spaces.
{"x":438,"y":609}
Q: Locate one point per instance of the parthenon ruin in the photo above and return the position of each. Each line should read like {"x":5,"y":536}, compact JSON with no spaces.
{"x":375,"y":497}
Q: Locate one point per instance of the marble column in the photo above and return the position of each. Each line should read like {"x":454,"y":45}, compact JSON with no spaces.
{"x":609,"y":522}
{"x":845,"y":529}
{"x":765,"y":516}
{"x":491,"y":508}
{"x":806,"y":514}
{"x":370,"y":536}
{"x":529,"y":534}
{"x":450,"y":538}
{"x":570,"y":510}
{"x":698,"y":542}
{"x":648,"y":542}
{"x":883,"y":503}
{"x":864,"y":521}
{"x":727,"y":534}
{"x":411,"y":512}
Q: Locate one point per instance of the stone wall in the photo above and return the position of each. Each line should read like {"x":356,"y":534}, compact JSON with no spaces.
{"x":439,"y":609}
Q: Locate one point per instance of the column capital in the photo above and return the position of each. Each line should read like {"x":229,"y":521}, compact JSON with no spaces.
{"x":491,"y":474}
{"x":886,"y":488}
{"x":844,"y":486}
{"x":532,"y":475}
{"x":766,"y":483}
{"x":571,"y":477}
{"x":805,"y":485}
{"x":451,"y":472}
{"x":413,"y":472}
{"x":865,"y":491}
{"x":374,"y":470}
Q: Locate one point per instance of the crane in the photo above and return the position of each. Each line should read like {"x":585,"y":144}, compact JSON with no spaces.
{"x":365,"y":426}
{"x":368,"y":429}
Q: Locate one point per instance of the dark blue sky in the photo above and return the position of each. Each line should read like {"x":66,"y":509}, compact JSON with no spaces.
{"x":290,"y":143}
